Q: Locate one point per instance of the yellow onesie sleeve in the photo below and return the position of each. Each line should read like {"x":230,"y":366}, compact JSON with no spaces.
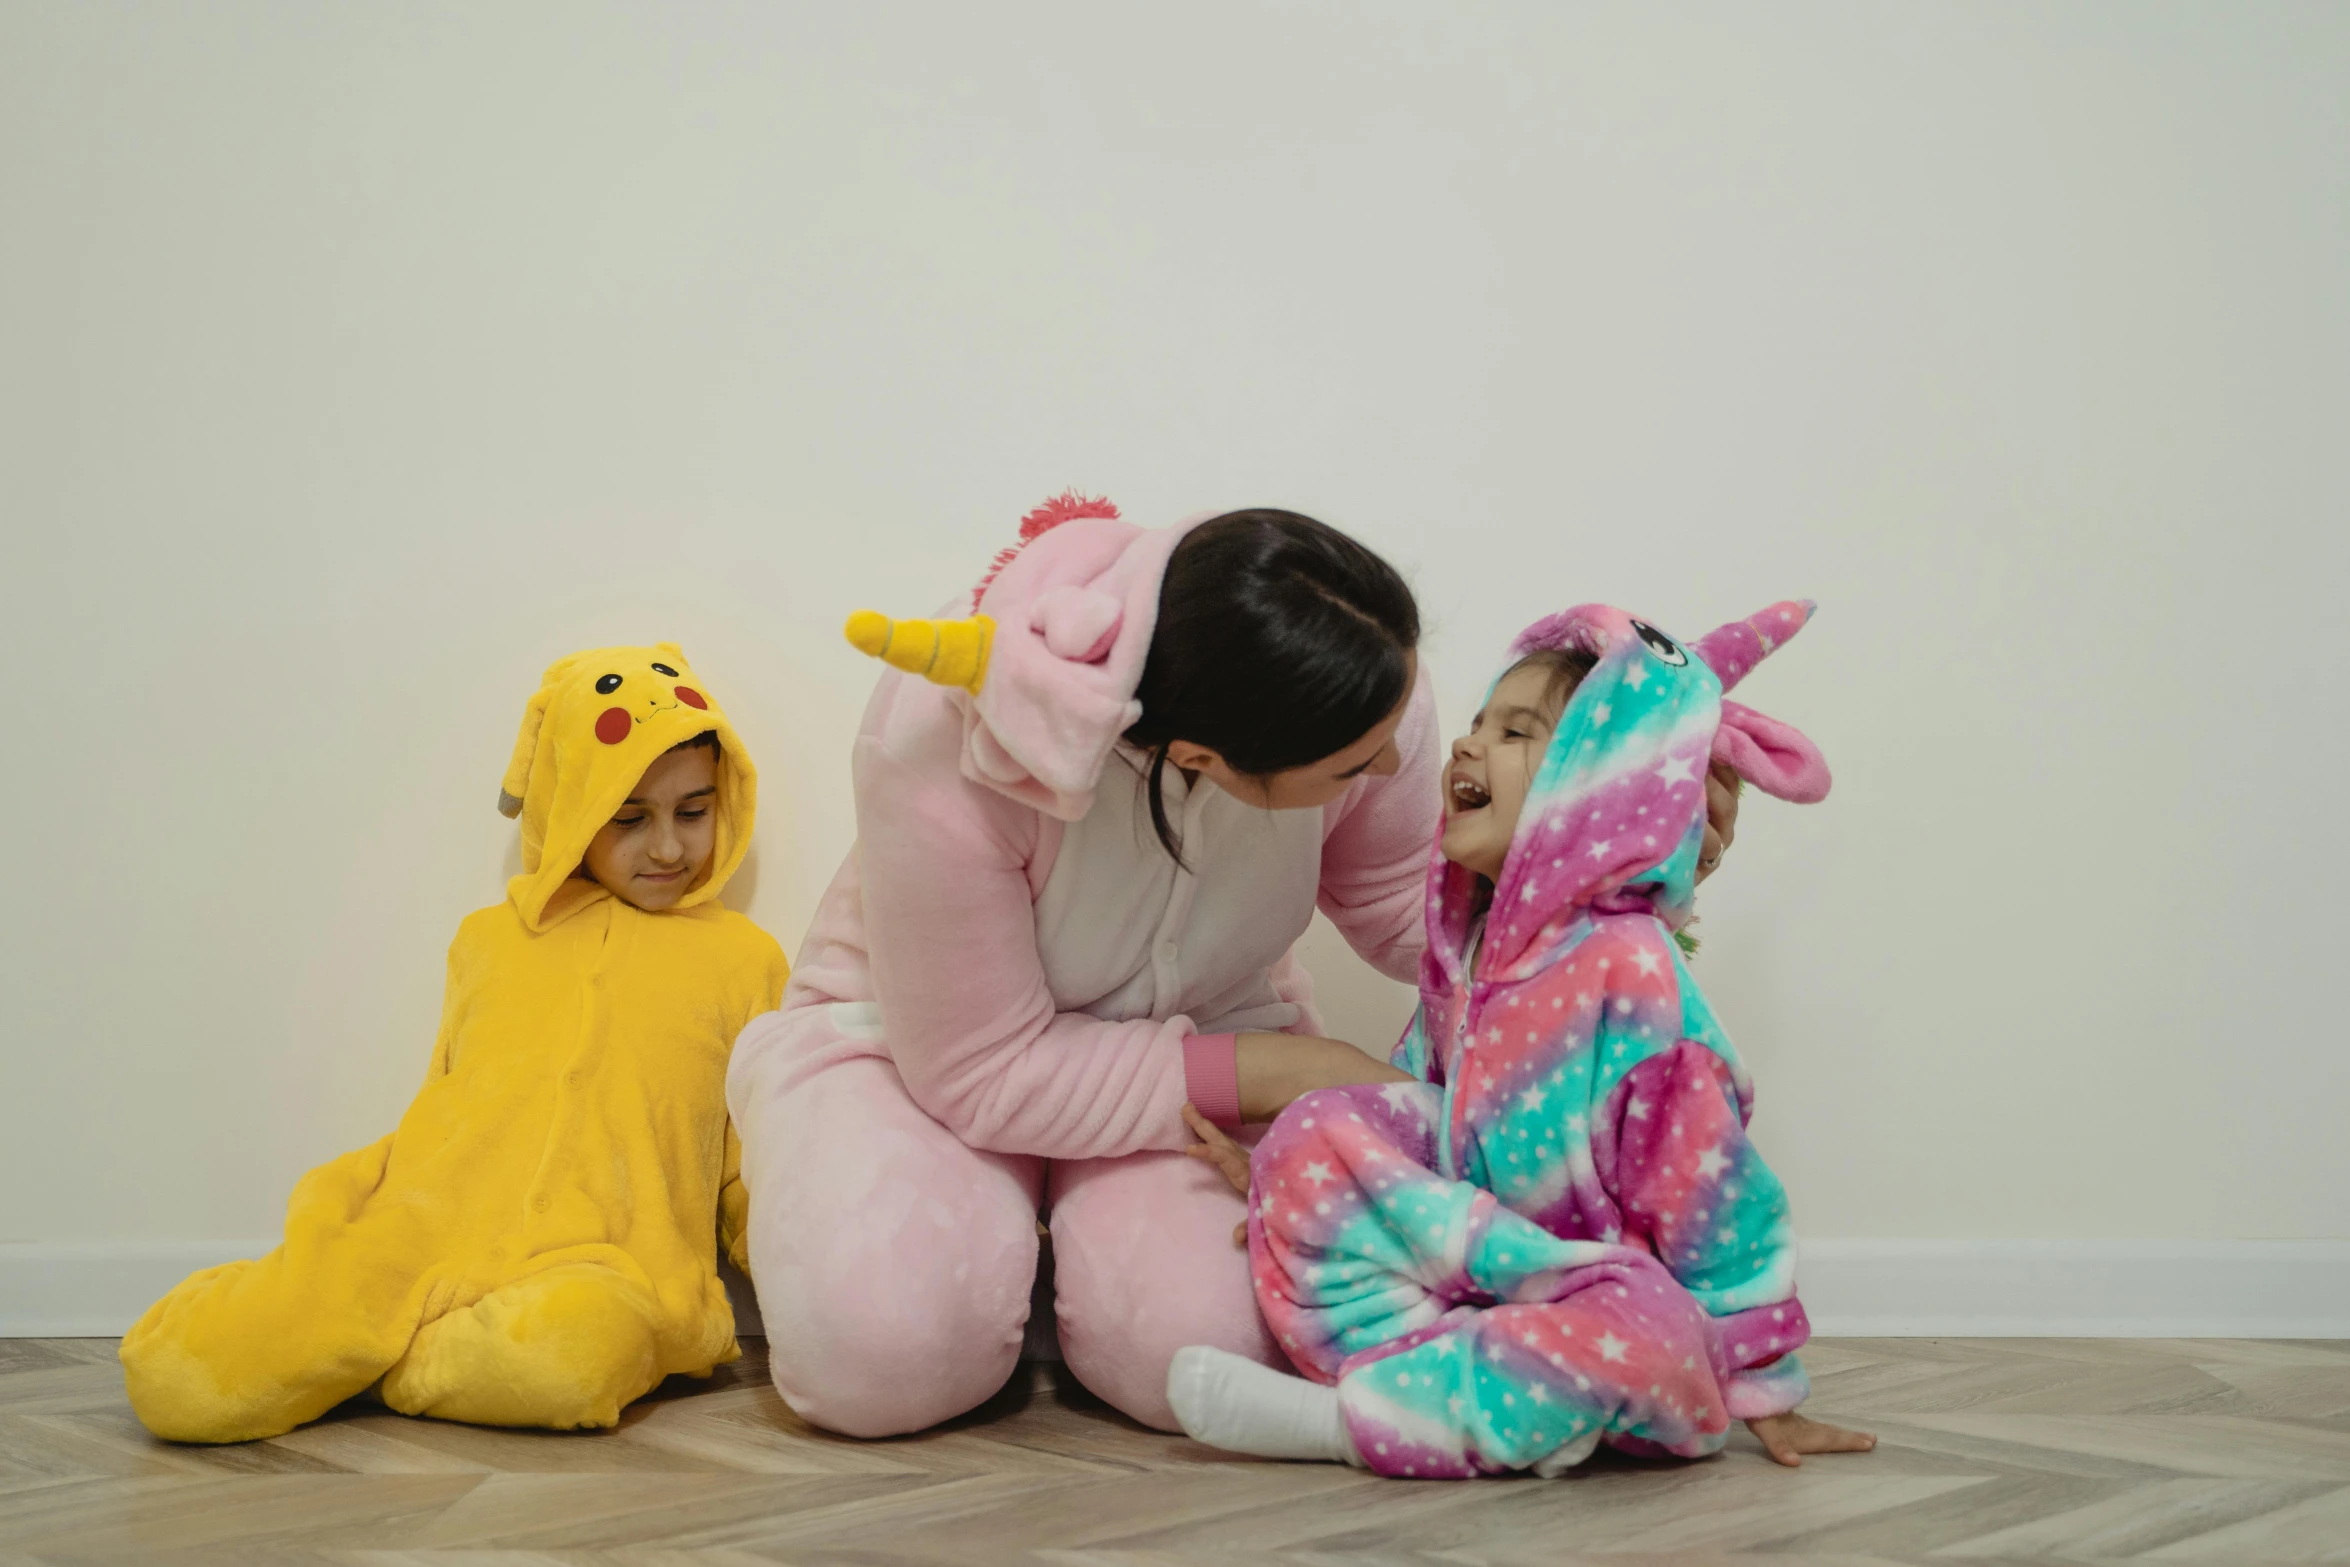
{"x":734,"y":1199}
{"x":734,"y":1205}
{"x":445,"y":1041}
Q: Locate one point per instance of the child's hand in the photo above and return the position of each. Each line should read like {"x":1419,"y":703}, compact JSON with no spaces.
{"x":1789,"y":1436}
{"x":1227,"y":1157}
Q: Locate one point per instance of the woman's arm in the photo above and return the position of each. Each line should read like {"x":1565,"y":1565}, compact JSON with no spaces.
{"x":1375,"y":846}
{"x":1277,"y":1068}
{"x":950,"y":934}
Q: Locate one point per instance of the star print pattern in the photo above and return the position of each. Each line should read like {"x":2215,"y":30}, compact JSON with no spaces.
{"x":1569,"y":1241}
{"x":1463,"y":1338}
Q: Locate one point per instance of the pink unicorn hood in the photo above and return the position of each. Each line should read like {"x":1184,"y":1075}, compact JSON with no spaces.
{"x":1616,"y":813}
{"x":1045,"y":669}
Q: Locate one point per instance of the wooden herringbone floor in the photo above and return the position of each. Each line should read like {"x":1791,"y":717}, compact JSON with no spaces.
{"x":1994,"y":1451}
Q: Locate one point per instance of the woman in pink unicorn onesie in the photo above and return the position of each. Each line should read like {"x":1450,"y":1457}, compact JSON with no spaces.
{"x":1094,"y":817}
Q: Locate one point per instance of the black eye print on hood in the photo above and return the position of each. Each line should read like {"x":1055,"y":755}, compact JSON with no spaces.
{"x":607,"y":685}
{"x":1659,"y":644}
{"x":664,"y":669}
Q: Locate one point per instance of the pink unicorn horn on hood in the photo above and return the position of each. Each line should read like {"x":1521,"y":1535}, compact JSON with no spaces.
{"x":1775,"y":757}
{"x":1732,"y":651}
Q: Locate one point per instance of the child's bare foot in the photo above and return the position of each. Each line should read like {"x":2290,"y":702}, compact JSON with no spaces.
{"x":1789,"y":1436}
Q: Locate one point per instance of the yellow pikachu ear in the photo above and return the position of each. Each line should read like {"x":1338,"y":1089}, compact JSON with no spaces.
{"x":944,"y":652}
{"x":673,"y":650}
{"x":526,"y":741}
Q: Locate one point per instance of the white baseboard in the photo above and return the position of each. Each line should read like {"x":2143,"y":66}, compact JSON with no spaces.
{"x":1853,"y":1288}
{"x":2076,"y":1289}
{"x":96,"y":1289}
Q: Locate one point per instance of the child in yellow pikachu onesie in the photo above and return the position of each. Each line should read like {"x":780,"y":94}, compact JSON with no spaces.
{"x":536,"y":1244}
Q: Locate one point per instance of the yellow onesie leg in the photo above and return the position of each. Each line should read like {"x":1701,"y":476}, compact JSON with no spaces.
{"x":254,"y":1349}
{"x":568,"y":1347}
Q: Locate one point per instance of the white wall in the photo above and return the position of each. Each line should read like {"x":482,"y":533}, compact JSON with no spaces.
{"x":354,"y":362}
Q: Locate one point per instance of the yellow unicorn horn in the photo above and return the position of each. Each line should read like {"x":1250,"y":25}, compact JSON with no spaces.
{"x":944,"y":652}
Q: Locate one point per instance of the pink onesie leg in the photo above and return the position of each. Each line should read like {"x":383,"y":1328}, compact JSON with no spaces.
{"x":893,"y":1263}
{"x":1143,"y":1264}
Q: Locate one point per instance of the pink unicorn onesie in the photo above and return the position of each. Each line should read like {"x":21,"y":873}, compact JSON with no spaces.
{"x":1011,"y":991}
{"x":1560,"y":1236}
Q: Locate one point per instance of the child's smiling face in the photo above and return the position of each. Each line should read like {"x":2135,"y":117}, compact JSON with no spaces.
{"x":1493,"y":765}
{"x":657,"y":846}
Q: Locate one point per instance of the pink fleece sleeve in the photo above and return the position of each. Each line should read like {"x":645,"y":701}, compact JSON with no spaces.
{"x":950,"y":924}
{"x":1375,"y":849}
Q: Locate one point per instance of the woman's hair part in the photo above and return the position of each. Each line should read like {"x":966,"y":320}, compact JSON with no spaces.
{"x":1280,"y":641}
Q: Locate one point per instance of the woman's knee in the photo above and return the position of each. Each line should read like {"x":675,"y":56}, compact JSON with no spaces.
{"x":1144,"y":1264}
{"x":887,"y":1353}
{"x":898,"y":1299}
{"x":879,"y":1334}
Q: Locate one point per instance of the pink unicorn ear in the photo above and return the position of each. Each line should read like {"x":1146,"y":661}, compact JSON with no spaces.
{"x":1077,"y":624}
{"x":1774,"y":757}
{"x":1732,"y":651}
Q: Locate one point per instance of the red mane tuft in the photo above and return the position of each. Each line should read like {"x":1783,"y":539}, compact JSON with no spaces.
{"x":1064,"y":507}
{"x":1067,"y":506}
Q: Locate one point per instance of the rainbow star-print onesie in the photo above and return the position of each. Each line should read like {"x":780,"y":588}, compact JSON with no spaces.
{"x":1560,"y":1235}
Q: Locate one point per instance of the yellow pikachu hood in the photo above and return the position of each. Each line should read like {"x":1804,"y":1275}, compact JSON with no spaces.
{"x":596,"y":722}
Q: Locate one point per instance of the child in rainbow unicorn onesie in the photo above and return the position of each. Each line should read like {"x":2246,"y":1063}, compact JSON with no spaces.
{"x":1560,"y":1235}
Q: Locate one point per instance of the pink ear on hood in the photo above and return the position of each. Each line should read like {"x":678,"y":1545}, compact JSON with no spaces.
{"x":1040,"y":520}
{"x":1074,"y":607}
{"x":1077,"y":623}
{"x":1776,"y":758}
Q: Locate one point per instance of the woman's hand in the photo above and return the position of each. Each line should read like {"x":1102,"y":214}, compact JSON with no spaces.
{"x":1277,"y":1068}
{"x":1722,"y":787}
{"x":1221,"y":1154}
{"x":1789,"y":1436}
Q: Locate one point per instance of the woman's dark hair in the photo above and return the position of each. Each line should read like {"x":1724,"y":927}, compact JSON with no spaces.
{"x":707,"y":740}
{"x":1280,"y":641}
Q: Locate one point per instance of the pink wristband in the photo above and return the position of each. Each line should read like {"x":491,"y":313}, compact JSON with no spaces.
{"x":1211,"y":1076}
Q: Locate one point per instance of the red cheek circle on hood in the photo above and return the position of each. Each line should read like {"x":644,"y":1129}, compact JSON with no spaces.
{"x":692,"y":698}
{"x":613,"y":725}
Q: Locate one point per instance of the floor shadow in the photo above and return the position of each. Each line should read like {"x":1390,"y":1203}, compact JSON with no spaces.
{"x":1070,"y":1394}
{"x":1017,"y":1393}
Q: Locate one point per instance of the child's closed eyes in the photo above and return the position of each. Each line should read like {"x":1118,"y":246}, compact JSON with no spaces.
{"x":658,"y":844}
{"x":1494,"y":764}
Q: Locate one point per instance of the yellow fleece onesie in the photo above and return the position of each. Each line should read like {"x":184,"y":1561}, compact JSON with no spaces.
{"x":536,"y":1244}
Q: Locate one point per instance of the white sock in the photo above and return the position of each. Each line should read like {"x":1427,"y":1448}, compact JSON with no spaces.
{"x":1231,"y":1402}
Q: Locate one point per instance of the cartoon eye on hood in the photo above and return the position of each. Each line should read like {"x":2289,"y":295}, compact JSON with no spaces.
{"x":1658,"y":643}
{"x":613,"y":724}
